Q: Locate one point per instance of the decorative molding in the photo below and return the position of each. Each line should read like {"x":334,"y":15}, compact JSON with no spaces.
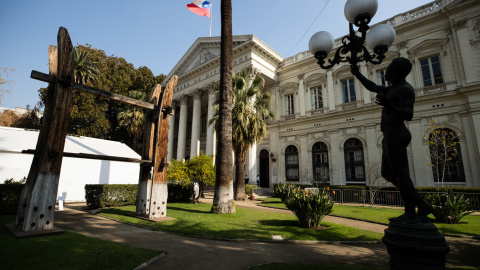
{"x":402,"y":44}
{"x":460,"y":24}
{"x":197,"y":94}
{"x":184,"y":100}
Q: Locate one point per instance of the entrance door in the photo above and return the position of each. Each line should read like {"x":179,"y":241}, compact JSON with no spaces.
{"x":264,"y":169}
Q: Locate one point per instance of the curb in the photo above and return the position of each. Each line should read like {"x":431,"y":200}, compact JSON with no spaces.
{"x":154,"y":259}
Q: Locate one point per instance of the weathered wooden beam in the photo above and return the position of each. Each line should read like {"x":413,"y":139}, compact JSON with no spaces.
{"x":95,"y":91}
{"x":94,"y":156}
{"x":159,"y":191}
{"x":36,"y":209}
{"x":142,"y":205}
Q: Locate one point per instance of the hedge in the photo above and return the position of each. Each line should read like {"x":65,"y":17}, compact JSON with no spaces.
{"x":99,"y":196}
{"x":10,"y":198}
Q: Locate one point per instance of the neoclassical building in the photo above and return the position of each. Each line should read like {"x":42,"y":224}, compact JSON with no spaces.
{"x":327,"y":125}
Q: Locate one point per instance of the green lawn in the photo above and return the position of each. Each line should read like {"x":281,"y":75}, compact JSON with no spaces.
{"x":196,"y":219}
{"x":66,"y":251}
{"x":469,"y":225}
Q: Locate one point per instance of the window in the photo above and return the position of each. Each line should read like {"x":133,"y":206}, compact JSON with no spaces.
{"x":289,"y":108}
{"x":446,"y":156}
{"x":321,"y":173}
{"x":431,"y":71}
{"x":348,"y":90}
{"x":354,"y":163}
{"x":316,"y":97}
{"x":381,"y":78}
{"x":291,"y":163}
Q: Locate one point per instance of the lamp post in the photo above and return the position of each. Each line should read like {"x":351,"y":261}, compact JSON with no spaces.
{"x":352,"y":50}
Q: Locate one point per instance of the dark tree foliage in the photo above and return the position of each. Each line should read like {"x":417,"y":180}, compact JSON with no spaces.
{"x":94,"y":116}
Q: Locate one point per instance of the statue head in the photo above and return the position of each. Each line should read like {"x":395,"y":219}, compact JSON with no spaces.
{"x":398,"y":69}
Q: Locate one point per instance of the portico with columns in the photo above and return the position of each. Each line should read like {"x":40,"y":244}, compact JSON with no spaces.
{"x":194,"y":98}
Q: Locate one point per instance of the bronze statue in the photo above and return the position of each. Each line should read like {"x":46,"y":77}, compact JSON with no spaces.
{"x":397,"y":101}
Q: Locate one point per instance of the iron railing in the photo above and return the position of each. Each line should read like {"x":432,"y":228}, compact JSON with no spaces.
{"x":386,"y":198}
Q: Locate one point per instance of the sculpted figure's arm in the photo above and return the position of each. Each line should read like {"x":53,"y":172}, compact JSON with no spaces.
{"x":366,"y":82}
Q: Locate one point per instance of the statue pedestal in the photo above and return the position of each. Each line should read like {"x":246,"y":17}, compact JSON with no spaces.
{"x":415,"y":246}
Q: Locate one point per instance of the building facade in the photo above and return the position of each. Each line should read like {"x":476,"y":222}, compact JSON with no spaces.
{"x":327,"y":125}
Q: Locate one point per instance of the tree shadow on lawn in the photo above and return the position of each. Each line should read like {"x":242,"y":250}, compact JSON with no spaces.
{"x":188,"y":210}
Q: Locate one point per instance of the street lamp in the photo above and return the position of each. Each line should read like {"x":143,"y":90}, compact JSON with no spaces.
{"x":379,"y":38}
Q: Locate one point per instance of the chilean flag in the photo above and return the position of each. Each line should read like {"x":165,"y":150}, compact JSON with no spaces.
{"x":200,"y":7}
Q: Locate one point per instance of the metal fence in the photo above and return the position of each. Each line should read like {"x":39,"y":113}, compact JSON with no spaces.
{"x":386,"y":198}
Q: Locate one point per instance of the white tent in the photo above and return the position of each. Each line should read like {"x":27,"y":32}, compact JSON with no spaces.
{"x":76,"y":172}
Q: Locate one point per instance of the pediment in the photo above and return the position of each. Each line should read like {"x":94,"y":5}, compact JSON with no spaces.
{"x":203,"y":51}
{"x":315,"y":78}
{"x":428,"y":44}
{"x":288,"y":86}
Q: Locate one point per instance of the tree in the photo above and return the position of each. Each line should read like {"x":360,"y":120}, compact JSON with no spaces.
{"x":375,"y":181}
{"x":250,"y":108}
{"x":133,"y":118}
{"x":223,"y":198}
{"x":4,"y":83}
{"x":202,"y":171}
{"x":8,"y":118}
{"x":85,"y":69}
{"x":177,"y":172}
{"x":30,"y":119}
{"x":445,"y":155}
{"x":94,"y":116}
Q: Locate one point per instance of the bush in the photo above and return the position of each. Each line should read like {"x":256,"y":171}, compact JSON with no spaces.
{"x":250,"y":189}
{"x":449,"y":207}
{"x":10,"y":198}
{"x":181,"y":193}
{"x":284,"y":191}
{"x":310,"y":209}
{"x":99,"y":196}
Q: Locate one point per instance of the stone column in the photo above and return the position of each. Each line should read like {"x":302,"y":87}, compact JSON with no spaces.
{"x":251,"y":156}
{"x":196,"y":123}
{"x":366,"y":93}
{"x":331,"y":91}
{"x":210,"y":130}
{"x":420,"y":153}
{"x":301,"y":95}
{"x":337,"y":158}
{"x":182,"y":127}
{"x":171,"y":133}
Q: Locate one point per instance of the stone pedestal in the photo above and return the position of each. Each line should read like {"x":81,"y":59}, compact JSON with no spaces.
{"x":415,"y":246}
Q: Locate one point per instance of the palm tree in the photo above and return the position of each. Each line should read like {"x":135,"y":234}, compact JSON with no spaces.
{"x":85,"y":69}
{"x":223,"y":198}
{"x":250,"y":108}
{"x":133,"y":118}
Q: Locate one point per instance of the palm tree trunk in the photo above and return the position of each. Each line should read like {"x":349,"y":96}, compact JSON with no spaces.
{"x":223,"y":199}
{"x":239,"y":173}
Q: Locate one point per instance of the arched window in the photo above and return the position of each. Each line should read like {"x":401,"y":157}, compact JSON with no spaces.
{"x":354,"y":162}
{"x":446,"y":156}
{"x":321,"y":173}
{"x":291,"y":163}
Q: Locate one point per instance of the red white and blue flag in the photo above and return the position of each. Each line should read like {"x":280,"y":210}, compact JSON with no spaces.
{"x":200,"y":7}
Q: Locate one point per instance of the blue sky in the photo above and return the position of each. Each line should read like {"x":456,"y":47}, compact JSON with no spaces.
{"x":155,"y":34}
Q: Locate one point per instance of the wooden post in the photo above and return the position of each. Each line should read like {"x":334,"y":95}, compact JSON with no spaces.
{"x":145,"y":181}
{"x":37,"y":203}
{"x":159,"y":189}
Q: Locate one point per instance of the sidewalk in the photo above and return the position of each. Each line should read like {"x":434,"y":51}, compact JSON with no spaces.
{"x":196,"y":253}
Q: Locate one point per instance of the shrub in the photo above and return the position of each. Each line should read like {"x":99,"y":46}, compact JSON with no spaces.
{"x":449,"y":207}
{"x":181,"y":193}
{"x":250,"y":189}
{"x":10,"y":198}
{"x":99,"y":196}
{"x":284,"y":191}
{"x":310,"y":209}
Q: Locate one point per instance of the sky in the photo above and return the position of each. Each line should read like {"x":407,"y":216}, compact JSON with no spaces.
{"x":157,"y":33}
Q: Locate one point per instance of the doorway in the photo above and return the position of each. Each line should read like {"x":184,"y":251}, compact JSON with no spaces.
{"x":264,"y":169}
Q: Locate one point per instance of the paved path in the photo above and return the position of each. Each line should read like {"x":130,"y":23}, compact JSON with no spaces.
{"x":197,"y":253}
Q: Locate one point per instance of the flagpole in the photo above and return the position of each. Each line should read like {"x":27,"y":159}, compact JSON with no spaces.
{"x":211,"y":8}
